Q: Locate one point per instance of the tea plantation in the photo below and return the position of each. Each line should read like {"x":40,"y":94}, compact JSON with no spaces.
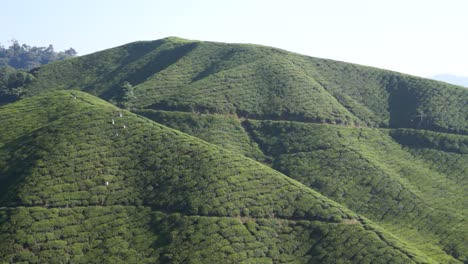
{"x":229,"y":153}
{"x":256,"y":82}
{"x":99,"y":184}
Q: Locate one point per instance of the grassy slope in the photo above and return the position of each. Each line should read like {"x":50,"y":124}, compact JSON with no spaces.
{"x":259,"y":82}
{"x":372,"y":174}
{"x":171,"y":197}
{"x":225,"y":131}
{"x":418,"y":191}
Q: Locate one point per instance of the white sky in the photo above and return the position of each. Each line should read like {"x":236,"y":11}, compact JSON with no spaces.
{"x":418,"y":37}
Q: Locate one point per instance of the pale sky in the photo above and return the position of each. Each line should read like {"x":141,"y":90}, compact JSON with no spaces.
{"x":418,"y":37}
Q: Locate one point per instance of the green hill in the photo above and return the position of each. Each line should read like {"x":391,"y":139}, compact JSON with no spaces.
{"x":413,"y":182}
{"x":257,"y":82}
{"x":90,"y":189}
{"x":392,"y":148}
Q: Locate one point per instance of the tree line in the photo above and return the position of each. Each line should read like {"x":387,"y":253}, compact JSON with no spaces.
{"x":17,"y":60}
{"x":23,"y":56}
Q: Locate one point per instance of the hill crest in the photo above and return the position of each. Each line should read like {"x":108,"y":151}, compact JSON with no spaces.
{"x":257,"y":82}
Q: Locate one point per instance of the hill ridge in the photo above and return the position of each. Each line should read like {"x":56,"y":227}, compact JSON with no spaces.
{"x":253,"y":80}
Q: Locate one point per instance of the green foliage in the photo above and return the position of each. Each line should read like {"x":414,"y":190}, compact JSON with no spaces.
{"x":58,"y":207}
{"x":144,"y":162}
{"x":225,"y":131}
{"x":129,"y":234}
{"x":259,"y":82}
{"x":107,"y":234}
{"x":206,"y":239}
{"x":124,"y":95}
{"x":427,"y":139}
{"x":11,"y":84}
{"x":369,"y":172}
{"x":26,"y":57}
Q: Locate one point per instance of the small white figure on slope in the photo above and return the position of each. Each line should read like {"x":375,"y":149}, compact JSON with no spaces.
{"x":107,"y":183}
{"x":124,"y":126}
{"x":120,"y":114}
{"x":113,"y":122}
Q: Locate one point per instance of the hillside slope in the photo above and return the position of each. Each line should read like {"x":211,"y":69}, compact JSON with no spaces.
{"x":97,"y":185}
{"x":257,"y":82}
{"x":411,"y":181}
{"x":367,"y":170}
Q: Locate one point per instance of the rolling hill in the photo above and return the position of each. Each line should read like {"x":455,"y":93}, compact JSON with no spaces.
{"x":98,"y":184}
{"x":307,"y":160}
{"x":257,"y":82}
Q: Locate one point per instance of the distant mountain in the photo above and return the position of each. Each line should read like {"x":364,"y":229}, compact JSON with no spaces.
{"x":290,"y":159}
{"x":453,"y":79}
